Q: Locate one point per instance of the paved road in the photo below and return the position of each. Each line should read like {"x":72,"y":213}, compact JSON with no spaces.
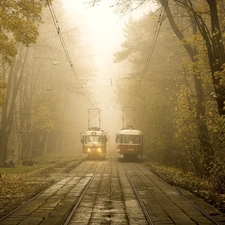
{"x":113,"y":192}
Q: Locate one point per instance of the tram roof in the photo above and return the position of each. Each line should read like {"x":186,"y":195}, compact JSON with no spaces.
{"x":94,"y":132}
{"x":130,"y":131}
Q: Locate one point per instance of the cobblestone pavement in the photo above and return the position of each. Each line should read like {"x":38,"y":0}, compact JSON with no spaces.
{"x":114,"y":192}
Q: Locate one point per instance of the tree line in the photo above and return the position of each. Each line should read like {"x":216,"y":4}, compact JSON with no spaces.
{"x":179,"y":87}
{"x":34,"y":79}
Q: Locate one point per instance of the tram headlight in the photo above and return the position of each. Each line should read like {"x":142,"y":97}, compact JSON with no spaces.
{"x":99,"y":149}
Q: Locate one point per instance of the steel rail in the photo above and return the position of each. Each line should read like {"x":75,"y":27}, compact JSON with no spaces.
{"x":66,"y":221}
{"x":144,"y":209}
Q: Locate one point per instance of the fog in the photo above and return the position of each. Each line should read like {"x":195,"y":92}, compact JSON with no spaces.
{"x":100,"y":28}
{"x":66,"y":72}
{"x":53,"y":73}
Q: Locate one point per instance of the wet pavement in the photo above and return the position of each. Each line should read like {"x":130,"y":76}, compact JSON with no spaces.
{"x":113,"y":192}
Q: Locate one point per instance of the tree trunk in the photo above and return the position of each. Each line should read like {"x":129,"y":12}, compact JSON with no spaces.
{"x":207,"y":151}
{"x":215,"y":49}
{"x":217,"y":57}
{"x":8,"y":108}
{"x":4,"y":136}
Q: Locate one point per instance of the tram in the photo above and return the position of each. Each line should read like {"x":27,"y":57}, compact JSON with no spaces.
{"x":94,"y":142}
{"x":129,"y":143}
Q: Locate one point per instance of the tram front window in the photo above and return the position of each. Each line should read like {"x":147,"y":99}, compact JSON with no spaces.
{"x":93,"y":139}
{"x":131,"y":139}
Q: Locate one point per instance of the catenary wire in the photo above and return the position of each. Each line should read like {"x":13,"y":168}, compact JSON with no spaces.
{"x":58,"y":30}
{"x":56,"y":24}
{"x":157,"y":30}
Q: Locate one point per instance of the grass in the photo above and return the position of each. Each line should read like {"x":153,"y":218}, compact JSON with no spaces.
{"x":46,"y":161}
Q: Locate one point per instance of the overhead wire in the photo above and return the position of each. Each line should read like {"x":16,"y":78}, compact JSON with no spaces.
{"x":156,"y":34}
{"x":58,"y":30}
{"x":155,"y":37}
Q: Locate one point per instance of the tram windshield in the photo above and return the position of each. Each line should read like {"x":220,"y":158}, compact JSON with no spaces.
{"x":94,"y":138}
{"x":131,"y":139}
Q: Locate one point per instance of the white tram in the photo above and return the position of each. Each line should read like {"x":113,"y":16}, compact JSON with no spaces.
{"x":94,"y":142}
{"x":129,"y":143}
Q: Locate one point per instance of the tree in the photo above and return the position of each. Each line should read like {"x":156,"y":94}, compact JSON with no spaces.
{"x":19,"y":21}
{"x":13,"y":84}
{"x":196,"y":20}
{"x":152,"y":93}
{"x":2,"y":93}
{"x":34,"y":120}
{"x":205,"y":15}
{"x":209,"y":28}
{"x":192,"y":51}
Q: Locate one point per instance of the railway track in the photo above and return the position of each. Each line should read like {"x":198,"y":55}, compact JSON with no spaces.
{"x":144,"y":208}
{"x":112,"y":192}
{"x":144,"y":184}
{"x":67,"y":220}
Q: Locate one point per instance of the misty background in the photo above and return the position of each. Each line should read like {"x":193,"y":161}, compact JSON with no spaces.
{"x":153,"y":56}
